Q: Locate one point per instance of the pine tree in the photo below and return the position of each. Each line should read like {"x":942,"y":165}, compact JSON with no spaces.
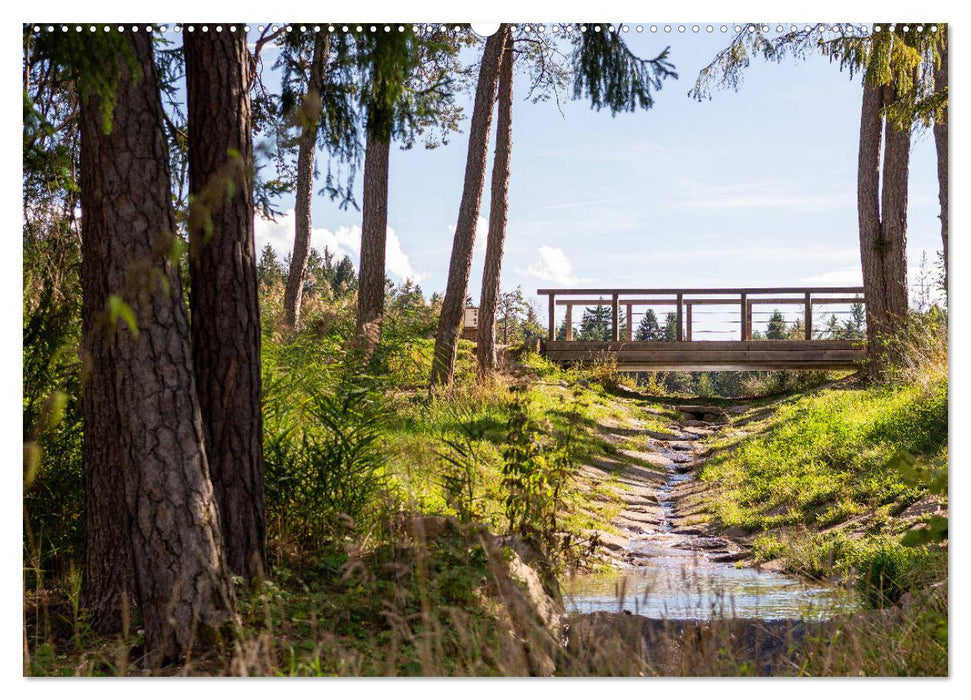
{"x":648,"y":328}
{"x":606,"y":72}
{"x":406,"y":89}
{"x":269,"y":271}
{"x":776,"y":329}
{"x":900,"y":89}
{"x":595,"y":324}
{"x":858,"y":318}
{"x":485,"y":349}
{"x":940,"y":140}
{"x":460,"y":262}
{"x":922,"y":285}
{"x":225,"y":319}
{"x":671,"y":327}
{"x":172,"y":529}
{"x":512,"y":305}
{"x":314,"y":110}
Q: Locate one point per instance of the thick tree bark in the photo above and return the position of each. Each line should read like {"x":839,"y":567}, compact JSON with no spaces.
{"x":107,"y":583}
{"x":940,"y":141}
{"x":374,"y":234}
{"x":485,"y":350}
{"x":225,"y":306}
{"x":453,"y":305}
{"x":182,"y":584}
{"x":306,"y":148}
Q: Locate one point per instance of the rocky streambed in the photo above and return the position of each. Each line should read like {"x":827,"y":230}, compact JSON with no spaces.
{"x":667,"y":563}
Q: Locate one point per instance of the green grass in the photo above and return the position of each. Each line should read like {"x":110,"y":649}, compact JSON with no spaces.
{"x":819,"y":477}
{"x":824,"y":457}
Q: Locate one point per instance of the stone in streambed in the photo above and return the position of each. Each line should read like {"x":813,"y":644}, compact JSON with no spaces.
{"x":729,"y":557}
{"x":687,"y":531}
{"x":709,"y":543}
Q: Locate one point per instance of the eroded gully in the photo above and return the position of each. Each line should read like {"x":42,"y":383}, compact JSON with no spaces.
{"x":669,"y":564}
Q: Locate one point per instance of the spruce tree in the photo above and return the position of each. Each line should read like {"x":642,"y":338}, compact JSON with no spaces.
{"x":648,"y":328}
{"x":776,"y":329}
{"x":670,"y":327}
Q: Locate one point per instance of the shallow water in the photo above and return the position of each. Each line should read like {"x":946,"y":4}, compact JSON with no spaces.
{"x":678,"y":584}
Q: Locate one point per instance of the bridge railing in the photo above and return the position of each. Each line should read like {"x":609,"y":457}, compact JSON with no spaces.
{"x":684,"y":301}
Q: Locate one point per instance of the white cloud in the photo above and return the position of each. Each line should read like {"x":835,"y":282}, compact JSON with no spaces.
{"x":345,"y":240}
{"x":551,"y":265}
{"x":845,"y":277}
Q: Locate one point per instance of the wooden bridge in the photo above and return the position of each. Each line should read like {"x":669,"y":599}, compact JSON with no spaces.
{"x":686,"y":353}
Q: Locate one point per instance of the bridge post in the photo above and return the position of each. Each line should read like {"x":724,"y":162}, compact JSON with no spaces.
{"x":552,"y":328}
{"x":615,"y":316}
{"x":688,"y":323}
{"x":746,"y":331}
{"x":569,"y":321}
{"x":809,"y":316}
{"x":680,"y":315}
{"x":630,"y":322}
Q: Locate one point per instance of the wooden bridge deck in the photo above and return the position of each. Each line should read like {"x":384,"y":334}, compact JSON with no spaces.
{"x":654,"y":356}
{"x":810,"y":353}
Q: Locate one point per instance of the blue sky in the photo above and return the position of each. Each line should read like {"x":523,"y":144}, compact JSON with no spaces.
{"x":754,"y":188}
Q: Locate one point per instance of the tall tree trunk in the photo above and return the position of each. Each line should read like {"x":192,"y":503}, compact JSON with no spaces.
{"x":225,"y":306}
{"x":485,"y":350}
{"x":868,"y":207}
{"x":882,"y":210}
{"x":182,"y":584}
{"x":940,"y":140}
{"x":374,"y":234}
{"x":306,"y":148}
{"x":107,"y":582}
{"x":453,"y":305}
{"x":893,"y":216}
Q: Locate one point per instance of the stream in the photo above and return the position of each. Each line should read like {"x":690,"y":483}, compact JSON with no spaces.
{"x":680,"y":574}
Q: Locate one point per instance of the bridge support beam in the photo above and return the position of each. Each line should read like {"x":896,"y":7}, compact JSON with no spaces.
{"x":630,"y":322}
{"x":680,"y":335}
{"x":687,"y":330}
{"x":615,"y":316}
{"x":809,"y":316}
{"x":569,"y":321}
{"x":746,"y":330}
{"x":552,"y":328}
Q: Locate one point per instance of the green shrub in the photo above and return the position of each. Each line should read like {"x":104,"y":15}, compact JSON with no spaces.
{"x":767,"y":547}
{"x":604,"y":372}
{"x":706,"y":388}
{"x":535,"y":472}
{"x":820,"y":555}
{"x":888,"y":570}
{"x":325,"y":472}
{"x":461,"y":466}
